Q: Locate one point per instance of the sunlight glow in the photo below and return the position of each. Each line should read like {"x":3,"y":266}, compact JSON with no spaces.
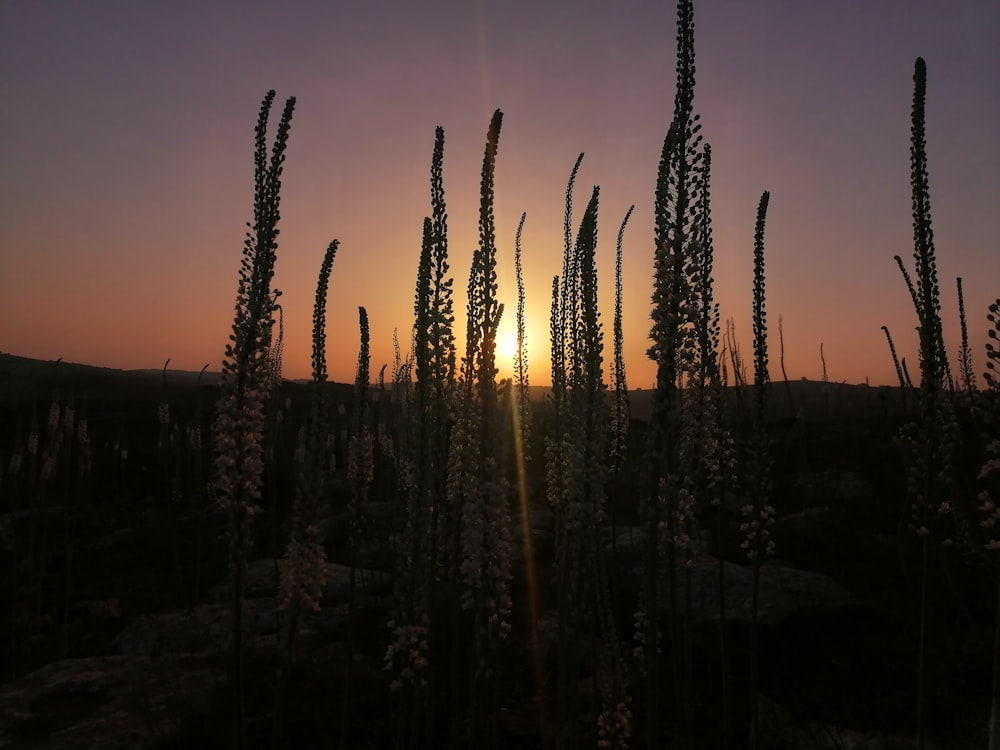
{"x":506,"y":348}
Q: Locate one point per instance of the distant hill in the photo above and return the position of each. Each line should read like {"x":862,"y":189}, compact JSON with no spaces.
{"x":24,"y":379}
{"x":809,"y":399}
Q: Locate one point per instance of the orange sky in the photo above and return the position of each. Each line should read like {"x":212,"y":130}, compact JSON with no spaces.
{"x":127,"y":163}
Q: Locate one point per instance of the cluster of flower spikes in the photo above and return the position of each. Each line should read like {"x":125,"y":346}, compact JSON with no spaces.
{"x":989,"y":473}
{"x":756,"y":530}
{"x":406,"y":656}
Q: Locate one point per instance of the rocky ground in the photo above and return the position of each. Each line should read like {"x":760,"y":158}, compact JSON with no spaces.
{"x":130,"y":668}
{"x":118,"y":639}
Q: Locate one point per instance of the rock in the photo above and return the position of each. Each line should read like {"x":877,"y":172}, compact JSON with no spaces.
{"x":832,"y":487}
{"x":541,"y":525}
{"x":262,"y":581}
{"x":542,"y":520}
{"x":782,"y":733}
{"x":821,"y":539}
{"x":624,"y":543}
{"x":783,"y":591}
{"x":98,"y":611}
{"x":367,"y":583}
{"x":107,"y":702}
{"x":331,"y":621}
{"x":202,"y":629}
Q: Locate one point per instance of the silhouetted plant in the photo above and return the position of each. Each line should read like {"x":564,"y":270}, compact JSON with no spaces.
{"x":477,"y":486}
{"x":522,"y":411}
{"x":666,"y":505}
{"x":620,"y":409}
{"x":709,"y":455}
{"x":168,"y":447}
{"x":825,"y":378}
{"x":620,"y":412}
{"x":360,"y":472}
{"x":424,"y":552}
{"x":14,"y":480}
{"x":198,"y":480}
{"x":759,"y":513}
{"x":784,"y":374}
{"x":929,"y":442}
{"x":734,"y":356}
{"x":992,"y":374}
{"x":906,"y":373}
{"x":163,"y":441}
{"x":436,"y":377}
{"x":965,"y":369}
{"x":903,"y":384}
{"x":303,"y":569}
{"x":275,"y":356}
{"x":987,"y":406}
{"x":275,"y":499}
{"x":77,"y":493}
{"x":562,"y":464}
{"x":521,"y":358}
{"x":521,"y":415}
{"x":578,"y":457}
{"x":246,"y":380}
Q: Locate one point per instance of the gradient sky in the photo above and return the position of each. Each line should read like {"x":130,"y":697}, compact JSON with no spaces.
{"x":127,"y":160}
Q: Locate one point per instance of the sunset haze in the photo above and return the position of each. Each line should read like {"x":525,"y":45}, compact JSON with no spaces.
{"x":126,"y":172}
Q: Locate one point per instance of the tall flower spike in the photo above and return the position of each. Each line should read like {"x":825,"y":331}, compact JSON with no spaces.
{"x":965,"y":368}
{"x":673,"y":349}
{"x":521,"y":358}
{"x":620,"y":412}
{"x":927,"y":294}
{"x":304,"y":569}
{"x":240,"y":417}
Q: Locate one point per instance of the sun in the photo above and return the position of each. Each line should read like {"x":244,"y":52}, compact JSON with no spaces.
{"x":506,"y":347}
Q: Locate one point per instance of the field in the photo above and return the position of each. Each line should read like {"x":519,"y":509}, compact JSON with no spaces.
{"x":116,"y":633}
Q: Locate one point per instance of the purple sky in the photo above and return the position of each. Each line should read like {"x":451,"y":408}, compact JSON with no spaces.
{"x":126,"y":167}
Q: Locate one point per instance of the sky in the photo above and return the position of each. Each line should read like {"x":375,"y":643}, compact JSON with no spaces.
{"x":127,"y":164}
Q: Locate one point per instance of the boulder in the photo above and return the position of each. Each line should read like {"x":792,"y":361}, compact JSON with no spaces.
{"x":201,"y":629}
{"x":783,"y":591}
{"x":108,"y":702}
{"x":262,"y":581}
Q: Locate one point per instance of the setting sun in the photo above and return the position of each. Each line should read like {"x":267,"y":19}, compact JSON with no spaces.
{"x":535,"y":345}
{"x":506,"y":348}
